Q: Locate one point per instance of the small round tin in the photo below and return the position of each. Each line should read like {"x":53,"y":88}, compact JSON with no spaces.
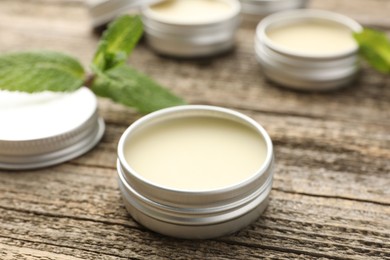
{"x":255,"y":10}
{"x":194,"y":214}
{"x":191,"y":39}
{"x":44,"y":129}
{"x":304,"y":70}
{"x":104,"y":11}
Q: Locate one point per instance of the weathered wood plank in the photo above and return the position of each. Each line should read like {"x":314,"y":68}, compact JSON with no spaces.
{"x":95,"y":189}
{"x":325,"y":237}
{"x":330,"y":197}
{"x":370,"y":13}
{"x":8,"y":252}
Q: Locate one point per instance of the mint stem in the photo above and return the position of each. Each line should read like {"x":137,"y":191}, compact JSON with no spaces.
{"x":89,"y":80}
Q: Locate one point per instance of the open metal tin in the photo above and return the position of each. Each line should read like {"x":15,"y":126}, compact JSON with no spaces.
{"x":302,"y":70}
{"x":195,"y":214}
{"x":192,"y":39}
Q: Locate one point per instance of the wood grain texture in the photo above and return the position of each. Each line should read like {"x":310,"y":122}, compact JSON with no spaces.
{"x":330,"y":198}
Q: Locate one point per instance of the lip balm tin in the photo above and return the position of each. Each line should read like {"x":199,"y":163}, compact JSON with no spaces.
{"x":300,"y":70}
{"x":31,"y":145}
{"x":191,"y":39}
{"x":195,"y":214}
{"x":103,"y":11}
{"x":255,"y":10}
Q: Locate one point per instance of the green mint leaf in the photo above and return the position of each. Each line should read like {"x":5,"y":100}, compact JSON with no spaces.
{"x":125,"y":85}
{"x":374,"y":46}
{"x":39,"y":71}
{"x":117,"y":42}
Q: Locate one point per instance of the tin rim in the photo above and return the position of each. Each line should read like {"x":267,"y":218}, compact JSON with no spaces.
{"x":192,"y":217}
{"x":313,"y":72}
{"x":58,"y":156}
{"x":235,"y":11}
{"x":184,"y":215}
{"x":302,"y":15}
{"x":241,"y":117}
{"x":263,"y":51}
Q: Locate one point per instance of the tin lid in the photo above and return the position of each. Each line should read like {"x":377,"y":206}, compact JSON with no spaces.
{"x":43,"y":129}
{"x":103,"y":11}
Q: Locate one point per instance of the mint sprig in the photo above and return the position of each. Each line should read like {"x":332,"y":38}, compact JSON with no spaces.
{"x":110,"y":75}
{"x":127,"y":86}
{"x":374,"y":47}
{"x":117,"y":42}
{"x":40,"y":71}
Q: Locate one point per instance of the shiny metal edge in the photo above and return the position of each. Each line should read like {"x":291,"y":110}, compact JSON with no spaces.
{"x":60,"y":156}
{"x":310,"y":72}
{"x":145,"y":203}
{"x":204,"y":231}
{"x":48,"y":144}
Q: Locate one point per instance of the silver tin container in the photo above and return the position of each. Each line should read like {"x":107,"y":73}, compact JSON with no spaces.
{"x":104,"y":11}
{"x":301,"y":70}
{"x":195,"y":214}
{"x":189,"y":40}
{"x":46,"y":149}
{"x":255,"y":10}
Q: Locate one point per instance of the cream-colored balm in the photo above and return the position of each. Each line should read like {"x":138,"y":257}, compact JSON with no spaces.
{"x":313,"y":37}
{"x":196,"y":153}
{"x":191,"y":11}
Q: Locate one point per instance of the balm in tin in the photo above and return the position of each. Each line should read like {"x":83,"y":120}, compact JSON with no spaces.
{"x":308,"y":49}
{"x":191,"y":28}
{"x":195,"y":171}
{"x":43,"y":129}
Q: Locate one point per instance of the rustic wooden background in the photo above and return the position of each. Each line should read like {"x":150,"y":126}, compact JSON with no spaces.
{"x":331,"y":193}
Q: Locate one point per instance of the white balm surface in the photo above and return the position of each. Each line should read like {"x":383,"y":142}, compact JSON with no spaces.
{"x":26,"y":116}
{"x":191,"y":11}
{"x":196,"y":153}
{"x":313,"y":37}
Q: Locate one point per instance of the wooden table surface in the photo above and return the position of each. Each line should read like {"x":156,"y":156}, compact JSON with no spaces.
{"x":331,"y":195}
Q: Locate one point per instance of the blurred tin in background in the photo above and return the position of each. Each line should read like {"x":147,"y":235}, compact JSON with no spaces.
{"x":318,"y":51}
{"x":191,"y":28}
{"x":104,"y":11}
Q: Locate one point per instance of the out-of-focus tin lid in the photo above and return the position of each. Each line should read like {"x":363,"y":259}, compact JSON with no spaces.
{"x":103,"y":11}
{"x":43,"y":129}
